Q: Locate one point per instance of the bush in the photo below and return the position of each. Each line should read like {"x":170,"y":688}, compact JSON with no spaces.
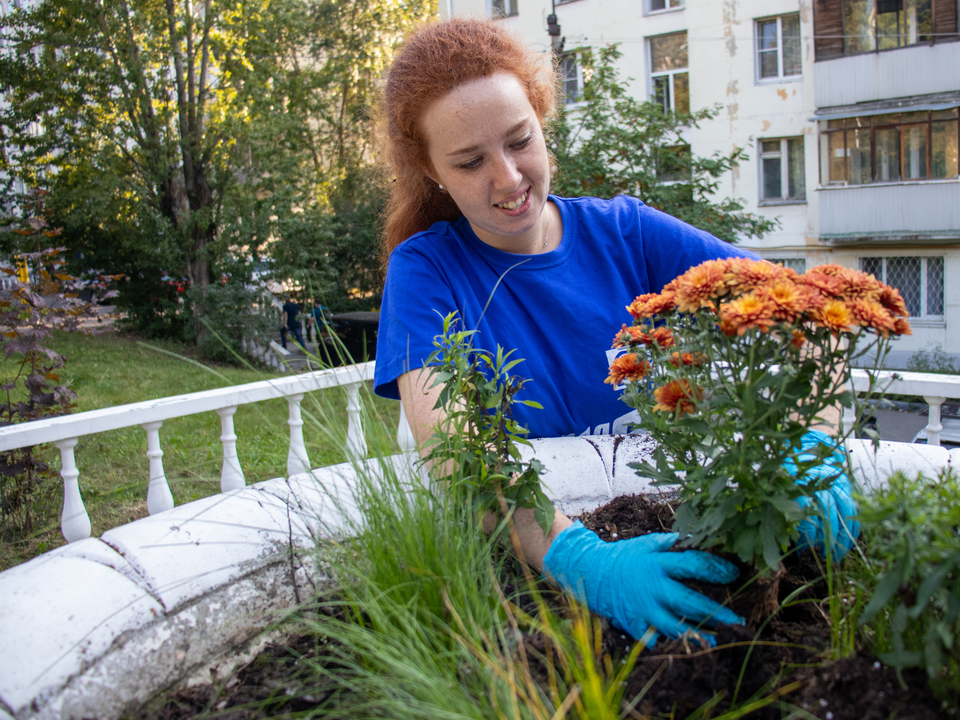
{"x":910,"y":532}
{"x":934,"y":360}
{"x":29,"y":312}
{"x":224,"y":318}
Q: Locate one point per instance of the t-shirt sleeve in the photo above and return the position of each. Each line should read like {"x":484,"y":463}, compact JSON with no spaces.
{"x":416,"y":298}
{"x":671,"y":246}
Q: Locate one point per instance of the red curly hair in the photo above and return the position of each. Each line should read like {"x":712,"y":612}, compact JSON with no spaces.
{"x":431,"y":63}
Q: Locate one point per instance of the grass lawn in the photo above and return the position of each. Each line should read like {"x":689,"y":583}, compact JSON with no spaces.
{"x":115,"y":369}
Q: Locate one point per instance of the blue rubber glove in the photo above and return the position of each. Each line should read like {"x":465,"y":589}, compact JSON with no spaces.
{"x":634,"y":582}
{"x":837,"y":508}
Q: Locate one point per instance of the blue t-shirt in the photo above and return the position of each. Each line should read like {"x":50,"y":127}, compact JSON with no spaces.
{"x":560,"y":310}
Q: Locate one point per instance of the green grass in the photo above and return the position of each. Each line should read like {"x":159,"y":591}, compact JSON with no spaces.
{"x":116,"y":369}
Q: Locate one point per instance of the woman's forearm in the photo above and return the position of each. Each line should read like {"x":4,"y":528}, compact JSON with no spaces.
{"x":419,"y":404}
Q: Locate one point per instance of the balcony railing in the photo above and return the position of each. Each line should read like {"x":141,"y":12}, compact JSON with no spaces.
{"x":65,"y":431}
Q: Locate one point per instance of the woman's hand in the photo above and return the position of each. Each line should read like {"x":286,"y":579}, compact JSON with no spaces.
{"x":635,"y":582}
{"x":837,"y":509}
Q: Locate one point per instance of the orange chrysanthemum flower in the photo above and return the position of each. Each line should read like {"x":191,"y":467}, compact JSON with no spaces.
{"x":857,"y":284}
{"x":646,"y":306}
{"x":627,"y":367}
{"x":873,"y":315}
{"x":687,"y":359}
{"x":699,"y":285}
{"x":745,"y":275}
{"x":663,"y":337}
{"x":891,"y":299}
{"x":744,"y":313}
{"x":828,"y":286}
{"x":835,"y":316}
{"x":630,"y":336}
{"x":829,"y":269}
{"x":787,"y":300}
{"x":677,"y":396}
{"x":797,"y":339}
{"x":902,"y":327}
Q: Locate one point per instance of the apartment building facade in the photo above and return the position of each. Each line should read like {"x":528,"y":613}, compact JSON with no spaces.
{"x":849,"y":109}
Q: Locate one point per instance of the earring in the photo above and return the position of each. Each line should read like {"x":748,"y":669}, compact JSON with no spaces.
{"x":440,"y":186}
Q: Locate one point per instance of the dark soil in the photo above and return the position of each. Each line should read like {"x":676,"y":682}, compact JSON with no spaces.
{"x":776,"y":661}
{"x":781,"y":653}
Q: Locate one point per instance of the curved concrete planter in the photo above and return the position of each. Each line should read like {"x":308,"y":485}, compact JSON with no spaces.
{"x":97,"y":627}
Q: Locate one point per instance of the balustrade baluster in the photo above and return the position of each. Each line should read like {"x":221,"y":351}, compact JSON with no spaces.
{"x":356,"y":442}
{"x":297,"y":460}
{"x":159,"y":497}
{"x":231,"y":476}
{"x":933,"y":419}
{"x":849,"y":417}
{"x":405,"y":438}
{"x":74,"y":521}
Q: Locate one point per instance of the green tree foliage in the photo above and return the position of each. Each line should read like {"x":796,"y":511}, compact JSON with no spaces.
{"x":331,"y":253}
{"x":174,"y":134}
{"x":613,"y":144}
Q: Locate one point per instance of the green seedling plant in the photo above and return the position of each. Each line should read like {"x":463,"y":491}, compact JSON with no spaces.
{"x":911,"y":530}
{"x":426,"y":620}
{"x":477,"y":447}
{"x":728,"y":367}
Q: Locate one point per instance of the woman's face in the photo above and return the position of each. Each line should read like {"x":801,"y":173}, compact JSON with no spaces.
{"x":486,"y":147}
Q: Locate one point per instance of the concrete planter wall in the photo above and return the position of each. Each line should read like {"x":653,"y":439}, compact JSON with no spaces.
{"x":101,"y":625}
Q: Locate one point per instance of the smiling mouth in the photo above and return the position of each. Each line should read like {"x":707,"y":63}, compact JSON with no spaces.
{"x":514,"y":204}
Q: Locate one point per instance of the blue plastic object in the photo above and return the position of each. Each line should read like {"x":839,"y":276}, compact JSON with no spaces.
{"x":634,"y":582}
{"x":837,"y":511}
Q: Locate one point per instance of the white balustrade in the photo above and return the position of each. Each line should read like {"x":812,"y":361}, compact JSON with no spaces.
{"x":356,"y":442}
{"x":297,"y":460}
{"x":159,"y":497}
{"x":934,"y":388}
{"x":74,"y":521}
{"x":231,"y":475}
{"x":65,"y":432}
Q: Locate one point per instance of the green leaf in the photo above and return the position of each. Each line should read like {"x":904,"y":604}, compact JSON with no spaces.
{"x":885,"y":590}
{"x":902,"y":659}
{"x":931,"y":584}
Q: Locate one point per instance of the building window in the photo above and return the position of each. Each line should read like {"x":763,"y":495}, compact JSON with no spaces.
{"x":851,"y":27}
{"x":673,"y":163}
{"x":890,"y":148}
{"x":797,"y":264}
{"x":919,"y":280}
{"x":504,"y":8}
{"x":871,"y":25}
{"x":669,"y":78}
{"x":781,"y":170}
{"x":778,"y":48}
{"x":571,"y":78}
{"x":659,"y":5}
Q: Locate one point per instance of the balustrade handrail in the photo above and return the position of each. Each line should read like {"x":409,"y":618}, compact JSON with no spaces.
{"x":167,"y":408}
{"x":907,"y":383}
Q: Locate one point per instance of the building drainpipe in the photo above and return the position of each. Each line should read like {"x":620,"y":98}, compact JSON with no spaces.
{"x":553,"y":29}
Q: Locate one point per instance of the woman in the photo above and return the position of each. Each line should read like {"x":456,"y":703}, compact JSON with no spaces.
{"x":471,"y":228}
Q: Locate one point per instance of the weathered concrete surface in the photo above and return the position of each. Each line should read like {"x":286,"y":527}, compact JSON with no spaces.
{"x":102,"y":625}
{"x":99,"y":626}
